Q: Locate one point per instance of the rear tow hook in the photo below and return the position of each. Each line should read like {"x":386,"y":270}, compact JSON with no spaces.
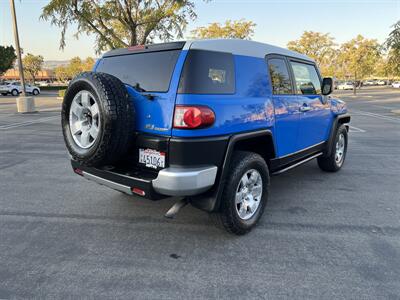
{"x":173,"y":211}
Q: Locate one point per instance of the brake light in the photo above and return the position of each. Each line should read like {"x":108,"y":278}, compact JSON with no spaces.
{"x":137,"y":48}
{"x":78,"y":171}
{"x":191,"y":117}
{"x":138,"y":191}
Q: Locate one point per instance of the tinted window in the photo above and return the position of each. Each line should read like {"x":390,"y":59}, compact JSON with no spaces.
{"x":147,"y":72}
{"x":307,"y":79}
{"x":280,"y":79}
{"x":207,"y":72}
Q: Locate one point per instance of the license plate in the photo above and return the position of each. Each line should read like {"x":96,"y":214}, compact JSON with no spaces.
{"x":152,"y":158}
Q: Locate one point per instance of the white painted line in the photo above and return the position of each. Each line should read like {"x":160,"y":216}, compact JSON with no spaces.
{"x":356,"y":129}
{"x":20,"y":124}
{"x":385,"y":107}
{"x":378,"y":116}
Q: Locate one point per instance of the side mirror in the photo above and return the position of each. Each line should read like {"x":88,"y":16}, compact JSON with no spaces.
{"x":327,"y":86}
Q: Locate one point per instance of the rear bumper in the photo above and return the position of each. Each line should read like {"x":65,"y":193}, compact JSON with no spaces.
{"x":172,"y":181}
{"x":185,"y":181}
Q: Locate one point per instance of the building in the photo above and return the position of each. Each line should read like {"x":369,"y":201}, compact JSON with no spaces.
{"x":44,"y":75}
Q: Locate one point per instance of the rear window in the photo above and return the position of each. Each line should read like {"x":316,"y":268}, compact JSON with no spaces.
{"x":147,"y":72}
{"x":208,"y":72}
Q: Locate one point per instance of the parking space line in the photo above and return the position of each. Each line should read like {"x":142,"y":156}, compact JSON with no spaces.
{"x":385,"y":107}
{"x":355,"y":129}
{"x":20,"y":124}
{"x":378,"y":116}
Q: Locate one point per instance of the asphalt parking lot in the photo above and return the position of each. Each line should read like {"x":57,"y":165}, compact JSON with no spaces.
{"x":323,"y":236}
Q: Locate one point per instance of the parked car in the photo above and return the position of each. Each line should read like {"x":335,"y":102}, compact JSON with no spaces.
{"x":369,"y":82}
{"x":43,"y":83}
{"x":396,"y":84}
{"x":14,"y":88}
{"x":345,"y":86}
{"x":381,"y":82}
{"x":206,"y":120}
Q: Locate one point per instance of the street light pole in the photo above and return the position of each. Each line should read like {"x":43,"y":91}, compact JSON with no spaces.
{"x":24,"y":104}
{"x":20,"y":67}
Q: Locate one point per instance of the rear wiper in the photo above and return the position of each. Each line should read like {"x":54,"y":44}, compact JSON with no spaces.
{"x":139,"y":89}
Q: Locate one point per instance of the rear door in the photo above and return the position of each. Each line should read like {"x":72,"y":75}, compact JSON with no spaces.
{"x":315,"y":112}
{"x":286,"y":105}
{"x":152,"y":79}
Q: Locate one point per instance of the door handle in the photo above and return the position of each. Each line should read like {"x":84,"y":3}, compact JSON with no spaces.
{"x":304,"y":108}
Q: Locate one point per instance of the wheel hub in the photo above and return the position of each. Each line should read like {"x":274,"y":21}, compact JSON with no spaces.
{"x":340,"y":149}
{"x":248,"y":194}
{"x":84,"y":119}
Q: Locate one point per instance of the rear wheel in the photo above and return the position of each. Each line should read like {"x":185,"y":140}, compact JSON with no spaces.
{"x":35,"y":92}
{"x":14,"y":92}
{"x":335,"y":160}
{"x":245,"y":193}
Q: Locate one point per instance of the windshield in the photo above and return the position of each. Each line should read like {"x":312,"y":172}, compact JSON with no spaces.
{"x":147,"y":72}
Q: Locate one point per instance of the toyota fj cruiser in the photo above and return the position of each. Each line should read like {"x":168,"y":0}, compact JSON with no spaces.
{"x":207,"y":120}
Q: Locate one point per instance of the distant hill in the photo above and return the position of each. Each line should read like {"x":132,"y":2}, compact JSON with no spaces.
{"x":51,"y":64}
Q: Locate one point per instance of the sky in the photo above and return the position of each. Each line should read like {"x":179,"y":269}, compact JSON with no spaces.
{"x":277,"y":22}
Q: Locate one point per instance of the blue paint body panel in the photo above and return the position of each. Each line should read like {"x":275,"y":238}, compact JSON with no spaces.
{"x":251,"y":107}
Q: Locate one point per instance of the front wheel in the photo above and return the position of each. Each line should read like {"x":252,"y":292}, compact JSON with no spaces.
{"x":35,"y":92}
{"x":335,"y":160}
{"x":14,"y":92}
{"x":245,"y":193}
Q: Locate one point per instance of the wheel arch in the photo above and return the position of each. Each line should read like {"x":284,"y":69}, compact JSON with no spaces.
{"x":337,"y":121}
{"x":252,"y":141}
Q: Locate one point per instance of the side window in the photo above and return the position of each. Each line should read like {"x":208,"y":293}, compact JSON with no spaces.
{"x":280,"y":79}
{"x":307,"y":79}
{"x":208,"y":72}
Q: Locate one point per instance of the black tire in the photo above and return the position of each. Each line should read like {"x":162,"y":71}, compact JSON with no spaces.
{"x":330,"y":163}
{"x":4,"y":94}
{"x":14,"y":92}
{"x":228,"y":215}
{"x":117,"y":119}
{"x":35,"y":92}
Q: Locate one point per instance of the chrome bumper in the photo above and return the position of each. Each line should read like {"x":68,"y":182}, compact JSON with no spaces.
{"x":179,"y":181}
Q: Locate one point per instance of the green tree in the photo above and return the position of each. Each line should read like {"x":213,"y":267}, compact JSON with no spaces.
{"x":88,"y":64}
{"x":239,"y":29}
{"x":32,"y":65}
{"x":359,"y":56}
{"x":61,"y":73}
{"x":320,"y":47}
{"x":117,"y":23}
{"x":7,"y":58}
{"x":392,"y":45}
{"x":393,"y":41}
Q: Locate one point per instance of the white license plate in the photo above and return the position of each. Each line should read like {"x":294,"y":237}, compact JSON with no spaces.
{"x":152,"y":158}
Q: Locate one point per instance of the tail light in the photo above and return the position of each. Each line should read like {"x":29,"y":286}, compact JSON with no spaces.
{"x":191,"y":117}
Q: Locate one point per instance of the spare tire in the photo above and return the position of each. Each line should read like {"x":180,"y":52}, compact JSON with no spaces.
{"x":97,"y":119}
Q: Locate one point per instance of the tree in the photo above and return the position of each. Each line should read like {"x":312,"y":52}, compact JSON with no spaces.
{"x":7,"y":58}
{"x":75,"y":66}
{"x":32,"y":65}
{"x":61,"y":73}
{"x":320,"y":47}
{"x":359,"y":56}
{"x":117,"y":23}
{"x":241,"y":29}
{"x":393,"y":41}
{"x":88,"y":64}
{"x":392,"y":45}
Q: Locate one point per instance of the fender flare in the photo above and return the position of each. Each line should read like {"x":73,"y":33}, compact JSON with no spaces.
{"x":211,"y":200}
{"x":339,"y":119}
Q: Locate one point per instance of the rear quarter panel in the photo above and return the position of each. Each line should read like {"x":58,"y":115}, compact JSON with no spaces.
{"x":250,"y":108}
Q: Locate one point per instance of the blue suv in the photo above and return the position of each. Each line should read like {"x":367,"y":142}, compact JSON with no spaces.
{"x":208,"y":121}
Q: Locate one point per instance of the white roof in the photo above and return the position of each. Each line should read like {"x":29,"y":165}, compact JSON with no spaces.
{"x":242,"y":47}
